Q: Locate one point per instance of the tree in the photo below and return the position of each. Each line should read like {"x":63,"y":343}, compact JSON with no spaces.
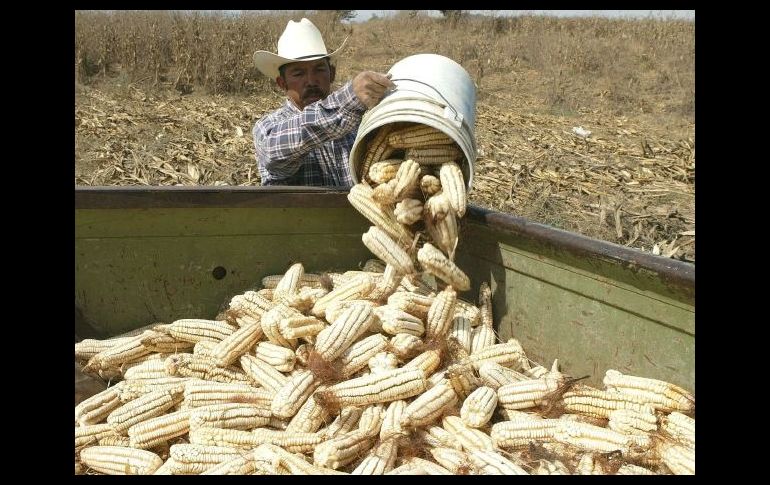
{"x":453,"y":16}
{"x":344,"y":15}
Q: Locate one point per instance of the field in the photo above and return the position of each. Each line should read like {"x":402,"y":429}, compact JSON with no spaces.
{"x":170,"y":98}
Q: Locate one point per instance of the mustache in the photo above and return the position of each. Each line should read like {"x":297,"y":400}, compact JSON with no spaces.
{"x":313,"y":92}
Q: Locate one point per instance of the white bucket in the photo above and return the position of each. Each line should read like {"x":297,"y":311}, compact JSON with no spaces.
{"x":432,"y":90}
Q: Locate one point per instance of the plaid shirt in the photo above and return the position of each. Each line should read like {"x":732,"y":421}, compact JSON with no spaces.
{"x":312,"y":146}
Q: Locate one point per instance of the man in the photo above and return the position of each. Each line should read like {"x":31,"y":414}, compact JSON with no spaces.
{"x":308,"y":140}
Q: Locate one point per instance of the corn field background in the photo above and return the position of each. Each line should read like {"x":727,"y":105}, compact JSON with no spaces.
{"x":170,"y":98}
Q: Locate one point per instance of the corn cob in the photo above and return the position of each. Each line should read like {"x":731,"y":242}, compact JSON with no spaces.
{"x":455,"y":461}
{"x":528,"y":393}
{"x":520,"y":431}
{"x":382,"y":361}
{"x":391,"y":427}
{"x":374,"y":388}
{"x":98,"y":406}
{"x":438,"y":437}
{"x":335,"y":308}
{"x":598,"y":403}
{"x":469,"y":438}
{"x":461,"y":331}
{"x":194,"y":330}
{"x":662,"y":395}
{"x":380,"y":460}
{"x":427,"y":361}
{"x":371,"y":419}
{"x":410,"y":302}
{"x":294,"y":464}
{"x":341,"y":450}
{"x":354,"y":289}
{"x":386,"y":249}
{"x":416,"y":136}
{"x":91,"y":433}
{"x":126,"y":351}
{"x":360,"y":196}
{"x":405,"y":345}
{"x":230,"y":415}
{"x":444,"y":233}
{"x":680,"y":427}
{"x":478,"y":407}
{"x":408,"y":211}
{"x":280,"y":358}
{"x":161,"y":342}
{"x":87,"y":348}
{"x":196,"y":459}
{"x":508,"y":354}
{"x":588,"y":465}
{"x":293,"y":394}
{"x":384,"y":171}
{"x":631,"y":469}
{"x":594,"y":438}
{"x":395,"y":321}
{"x":312,"y":280}
{"x":440,"y":314}
{"x":242,"y":465}
{"x":413,"y":283}
{"x":203,"y":393}
{"x":271,"y":322}
{"x":435,"y":263}
{"x":453,"y":186}
{"x":429,"y":467}
{"x":229,"y":349}
{"x":190,"y":365}
{"x":155,"y":431}
{"x":482,"y":337}
{"x":134,"y":388}
{"x":632,"y":422}
{"x":678,"y":458}
{"x":262,"y":373}
{"x":345,"y":422}
{"x":346,"y":329}
{"x":296,"y":327}
{"x":430,"y":185}
{"x":468,"y":311}
{"x":462,"y":378}
{"x":491,"y":462}
{"x":386,"y":285}
{"x":115,"y":440}
{"x":150,"y":368}
{"x":495,"y":376}
{"x":429,"y":406}
{"x":433,"y":155}
{"x":377,"y":150}
{"x":289,"y":284}
{"x":357,"y":356}
{"x":545,"y":467}
{"x":436,"y":207}
{"x":147,"y":406}
{"x":310,"y":417}
{"x":120,"y":460}
{"x":291,"y":441}
{"x":407,"y":469}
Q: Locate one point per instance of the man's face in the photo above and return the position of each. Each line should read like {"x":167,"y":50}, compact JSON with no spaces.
{"x":307,"y":81}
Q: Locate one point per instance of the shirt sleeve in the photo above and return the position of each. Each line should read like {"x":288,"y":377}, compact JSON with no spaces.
{"x":281,"y":144}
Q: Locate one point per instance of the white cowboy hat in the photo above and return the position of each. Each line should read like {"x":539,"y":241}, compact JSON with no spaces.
{"x":300,"y":41}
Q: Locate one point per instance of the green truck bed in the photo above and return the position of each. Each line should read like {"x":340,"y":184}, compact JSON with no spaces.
{"x":151,"y":254}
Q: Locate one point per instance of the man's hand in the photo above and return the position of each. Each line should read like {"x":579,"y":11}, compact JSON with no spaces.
{"x":370,"y":87}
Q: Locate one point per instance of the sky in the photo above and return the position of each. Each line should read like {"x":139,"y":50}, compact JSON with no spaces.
{"x":678,"y":14}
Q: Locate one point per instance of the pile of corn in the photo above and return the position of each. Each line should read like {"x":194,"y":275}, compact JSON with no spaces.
{"x":378,"y":371}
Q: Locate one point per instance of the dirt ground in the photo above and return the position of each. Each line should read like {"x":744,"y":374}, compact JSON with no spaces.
{"x":630,"y":182}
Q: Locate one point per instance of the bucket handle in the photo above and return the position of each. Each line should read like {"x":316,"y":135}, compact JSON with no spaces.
{"x":458,"y":117}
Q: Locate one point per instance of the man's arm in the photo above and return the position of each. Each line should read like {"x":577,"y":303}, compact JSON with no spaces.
{"x":281,"y":144}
